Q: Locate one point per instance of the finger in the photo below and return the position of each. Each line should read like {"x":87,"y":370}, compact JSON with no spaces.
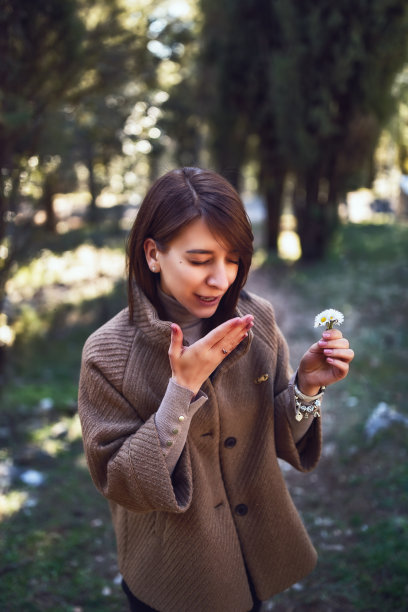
{"x":340,"y":343}
{"x":223,"y":330}
{"x":345,"y":355}
{"x":332,"y":334}
{"x":176,"y":341}
{"x":231,"y":340}
{"x":338,"y":364}
{"x":236,"y":333}
{"x":228,"y":344}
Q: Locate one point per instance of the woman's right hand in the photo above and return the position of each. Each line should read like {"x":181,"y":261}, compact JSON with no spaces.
{"x":192,"y":365}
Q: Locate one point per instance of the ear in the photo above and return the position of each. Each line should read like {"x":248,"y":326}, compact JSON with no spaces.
{"x":150,"y":250}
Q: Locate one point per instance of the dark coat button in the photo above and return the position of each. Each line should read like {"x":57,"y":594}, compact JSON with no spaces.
{"x":230,"y":442}
{"x":241,"y":509}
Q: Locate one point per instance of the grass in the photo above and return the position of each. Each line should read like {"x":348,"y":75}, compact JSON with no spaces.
{"x":59,"y":554}
{"x":57,"y":548}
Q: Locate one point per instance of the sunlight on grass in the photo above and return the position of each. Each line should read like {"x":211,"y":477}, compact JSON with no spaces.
{"x":6,"y":332}
{"x":84,"y":273}
{"x":74,"y":430}
{"x":12,"y":502}
{"x":56,"y":437}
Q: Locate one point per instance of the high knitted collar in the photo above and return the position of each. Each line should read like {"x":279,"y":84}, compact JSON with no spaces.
{"x":189,"y":323}
{"x":158,"y":332}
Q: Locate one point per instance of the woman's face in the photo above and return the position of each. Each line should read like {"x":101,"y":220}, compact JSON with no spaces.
{"x":196,"y":269}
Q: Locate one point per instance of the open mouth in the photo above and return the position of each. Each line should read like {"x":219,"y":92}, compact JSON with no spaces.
{"x":208,"y":299}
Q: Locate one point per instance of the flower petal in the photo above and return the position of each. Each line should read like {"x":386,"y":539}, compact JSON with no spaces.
{"x":330,"y":314}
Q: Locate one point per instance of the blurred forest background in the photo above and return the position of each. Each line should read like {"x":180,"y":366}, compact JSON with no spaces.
{"x":303,"y":106}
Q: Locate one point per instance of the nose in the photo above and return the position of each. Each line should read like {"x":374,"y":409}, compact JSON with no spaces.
{"x":218,"y":278}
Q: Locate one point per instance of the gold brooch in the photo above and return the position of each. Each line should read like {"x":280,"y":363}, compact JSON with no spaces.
{"x":261,"y":379}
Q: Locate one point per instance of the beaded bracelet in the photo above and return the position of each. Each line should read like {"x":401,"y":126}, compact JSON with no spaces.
{"x":312,"y":405}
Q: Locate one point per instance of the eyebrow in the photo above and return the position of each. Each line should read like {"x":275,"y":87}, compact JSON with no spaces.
{"x":207,"y":252}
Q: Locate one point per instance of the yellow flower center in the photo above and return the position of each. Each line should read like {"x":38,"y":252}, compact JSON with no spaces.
{"x":323,"y":319}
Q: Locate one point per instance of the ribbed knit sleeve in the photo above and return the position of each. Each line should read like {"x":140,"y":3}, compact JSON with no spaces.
{"x":123,"y":451}
{"x":173,"y":420}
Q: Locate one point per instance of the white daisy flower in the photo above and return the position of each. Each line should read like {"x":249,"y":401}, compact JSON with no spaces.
{"x":329,"y":318}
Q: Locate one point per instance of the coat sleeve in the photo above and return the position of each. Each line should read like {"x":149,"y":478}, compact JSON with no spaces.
{"x":123,"y":452}
{"x":305,"y":454}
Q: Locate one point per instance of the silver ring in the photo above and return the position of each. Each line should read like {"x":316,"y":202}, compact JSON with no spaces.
{"x":224,"y":351}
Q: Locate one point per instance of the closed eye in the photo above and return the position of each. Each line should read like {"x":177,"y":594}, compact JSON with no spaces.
{"x":202,"y":263}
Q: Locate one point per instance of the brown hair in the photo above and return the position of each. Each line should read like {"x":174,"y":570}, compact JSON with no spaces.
{"x":175,"y":200}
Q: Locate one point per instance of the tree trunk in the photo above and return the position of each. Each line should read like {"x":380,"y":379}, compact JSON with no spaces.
{"x":3,"y":363}
{"x":271,"y":180}
{"x":311,"y":220}
{"x":154,"y":166}
{"x":3,"y":208}
{"x":228,"y":147}
{"x":332,"y":213}
{"x":8,"y":210}
{"x":228,"y":163}
{"x":272,"y":174}
{"x":49,"y":190}
{"x":93,"y":212}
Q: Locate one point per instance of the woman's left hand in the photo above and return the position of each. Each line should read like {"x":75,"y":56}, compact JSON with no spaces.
{"x":326,"y":362}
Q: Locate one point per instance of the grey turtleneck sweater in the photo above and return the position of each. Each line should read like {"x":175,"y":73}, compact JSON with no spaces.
{"x":179,"y":405}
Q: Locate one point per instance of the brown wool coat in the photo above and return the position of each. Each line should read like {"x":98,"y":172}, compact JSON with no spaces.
{"x":184,"y":541}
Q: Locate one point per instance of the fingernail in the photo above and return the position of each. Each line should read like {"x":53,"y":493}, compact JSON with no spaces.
{"x":173,"y":328}
{"x":326,"y":334}
{"x":328,"y":351}
{"x":322,"y":343}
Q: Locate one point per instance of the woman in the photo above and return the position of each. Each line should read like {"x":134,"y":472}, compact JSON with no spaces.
{"x":187,"y":400}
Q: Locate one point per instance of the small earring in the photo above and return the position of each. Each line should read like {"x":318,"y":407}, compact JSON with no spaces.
{"x":153,"y":268}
